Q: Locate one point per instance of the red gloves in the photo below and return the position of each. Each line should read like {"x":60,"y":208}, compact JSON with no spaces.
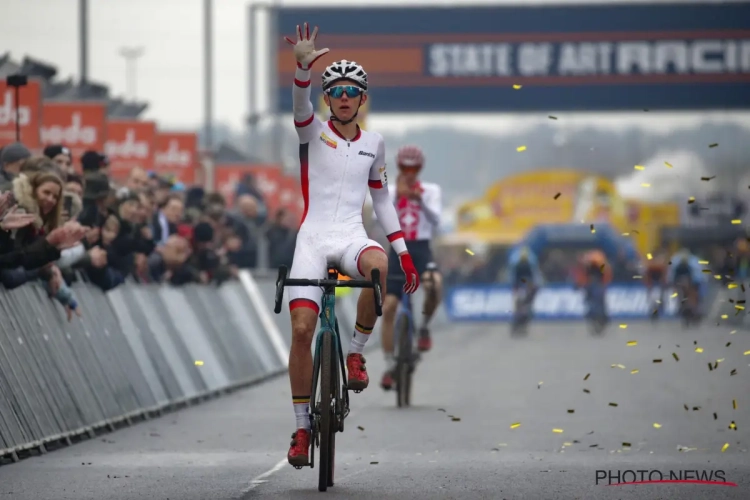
{"x":412,"y":276}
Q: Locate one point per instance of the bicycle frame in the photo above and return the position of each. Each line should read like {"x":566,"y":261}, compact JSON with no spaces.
{"x":404,"y":308}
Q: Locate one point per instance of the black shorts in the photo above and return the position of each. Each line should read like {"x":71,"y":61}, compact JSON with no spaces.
{"x":421,"y":254}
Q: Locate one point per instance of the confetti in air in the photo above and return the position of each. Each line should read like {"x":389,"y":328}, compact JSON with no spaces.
{"x":645,"y":184}
{"x":734,"y":404}
{"x":657,"y":426}
{"x":517,"y":87}
{"x":557,"y":431}
{"x":557,"y":195}
{"x":699,"y":349}
{"x":587,"y":376}
{"x":713,"y":145}
{"x":552,"y":117}
{"x":691,"y":200}
{"x":633,"y":372}
{"x":675,"y":356}
{"x":631,"y":343}
{"x":515,"y":425}
{"x":724,"y":448}
{"x":649,"y":256}
{"x":623,"y":326}
{"x":703,"y":262}
{"x":521,"y":148}
{"x":469,"y":252}
{"x":640,"y":167}
{"x":736,"y":221}
{"x":198,"y":363}
{"x":668,"y":164}
{"x":708,"y":178}
{"x":613,"y":404}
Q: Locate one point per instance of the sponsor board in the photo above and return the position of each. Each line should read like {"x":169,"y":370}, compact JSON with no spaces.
{"x":80,"y":126}
{"x":176,"y":153}
{"x":495,"y":303}
{"x":537,"y":58}
{"x":130,"y":144}
{"x":29,"y":113}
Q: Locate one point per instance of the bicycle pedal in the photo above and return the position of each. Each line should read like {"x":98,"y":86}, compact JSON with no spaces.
{"x":298,"y":467}
{"x":356,"y":391}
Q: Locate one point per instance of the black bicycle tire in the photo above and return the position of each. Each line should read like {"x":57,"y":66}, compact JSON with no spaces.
{"x":408,"y":343}
{"x":336,"y":397}
{"x":402,"y":365}
{"x":326,"y":424}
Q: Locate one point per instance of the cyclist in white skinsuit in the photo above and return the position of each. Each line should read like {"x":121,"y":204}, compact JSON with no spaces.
{"x":338,"y":162}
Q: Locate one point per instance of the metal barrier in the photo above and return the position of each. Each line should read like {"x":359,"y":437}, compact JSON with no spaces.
{"x":137,"y":351}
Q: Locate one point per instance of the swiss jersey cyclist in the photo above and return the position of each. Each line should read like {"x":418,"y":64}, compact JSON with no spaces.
{"x":419,"y":206}
{"x":338,"y":162}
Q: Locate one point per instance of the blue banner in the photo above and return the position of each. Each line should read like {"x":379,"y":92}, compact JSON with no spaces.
{"x":578,"y":57}
{"x":563,"y":302}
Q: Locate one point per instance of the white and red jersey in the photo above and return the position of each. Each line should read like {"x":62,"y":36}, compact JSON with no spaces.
{"x":336,"y":173}
{"x":419,"y":219}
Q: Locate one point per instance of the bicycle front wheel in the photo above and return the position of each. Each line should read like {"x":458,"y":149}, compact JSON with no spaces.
{"x":403,"y":361}
{"x":327,"y":442}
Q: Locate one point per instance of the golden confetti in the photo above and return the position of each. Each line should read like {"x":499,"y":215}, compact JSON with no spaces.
{"x":724,"y":316}
{"x":668,"y":164}
{"x":698,"y":349}
{"x":613,"y":404}
{"x":521,"y":148}
{"x":724,"y":448}
{"x":623,"y":326}
{"x":674,"y":355}
{"x":515,"y":425}
{"x":631,"y":343}
{"x":571,"y":411}
{"x":592,"y":229}
{"x":657,"y":426}
{"x":626,"y":234}
{"x":708,"y":178}
{"x":552,"y":117}
{"x":587,"y":376}
{"x":736,"y":221}
{"x":713,"y":145}
{"x":674,"y":295}
{"x":469,"y":252}
{"x":656,"y":361}
{"x":691,"y":200}
{"x":199,"y":363}
{"x":732,"y":286}
{"x":734,"y":404}
{"x":517,"y":87}
{"x":557,"y":431}
{"x":649,"y":256}
{"x":732,"y":333}
{"x":587,"y":391}
{"x":703,"y":262}
{"x":633,"y":372}
{"x":640,"y":167}
{"x":645,"y":184}
{"x":567,"y":444}
{"x":626,"y":445}
{"x":622,"y":367}
{"x":456,"y":419}
{"x":746,"y":353}
{"x":360,"y":428}
{"x":740,"y":308}
{"x":557,"y":195}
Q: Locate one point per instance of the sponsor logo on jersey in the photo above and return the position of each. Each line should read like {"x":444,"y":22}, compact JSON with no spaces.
{"x":328,"y":141}
{"x":383,"y":176}
{"x":365,"y":153}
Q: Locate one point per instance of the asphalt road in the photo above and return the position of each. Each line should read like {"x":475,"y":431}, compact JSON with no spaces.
{"x":234,"y":448}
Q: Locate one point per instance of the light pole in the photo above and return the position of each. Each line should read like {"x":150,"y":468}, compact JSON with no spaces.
{"x":131,"y":55}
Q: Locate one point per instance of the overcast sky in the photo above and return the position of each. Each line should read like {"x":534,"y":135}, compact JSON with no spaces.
{"x":169,"y":75}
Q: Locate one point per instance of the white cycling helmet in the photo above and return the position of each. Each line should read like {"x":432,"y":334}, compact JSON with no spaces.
{"x":344,"y":70}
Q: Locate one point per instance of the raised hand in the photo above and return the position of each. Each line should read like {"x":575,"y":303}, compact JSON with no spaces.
{"x":304,"y":47}
{"x":15,"y":220}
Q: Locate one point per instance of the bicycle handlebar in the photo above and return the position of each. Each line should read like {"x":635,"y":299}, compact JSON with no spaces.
{"x":283,"y":281}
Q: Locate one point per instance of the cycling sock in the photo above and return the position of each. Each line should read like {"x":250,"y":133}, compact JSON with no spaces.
{"x":301,"y":411}
{"x":361,"y":334}
{"x":390,"y":360}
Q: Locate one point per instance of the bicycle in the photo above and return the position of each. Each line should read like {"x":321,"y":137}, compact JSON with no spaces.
{"x":596,"y":308}
{"x":327,"y":413}
{"x":522,"y":311}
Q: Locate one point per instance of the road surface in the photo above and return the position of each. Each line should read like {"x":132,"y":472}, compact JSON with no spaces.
{"x":456,"y":441}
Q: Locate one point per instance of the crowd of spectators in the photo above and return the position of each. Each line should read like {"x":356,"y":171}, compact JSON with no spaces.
{"x":58,"y":226}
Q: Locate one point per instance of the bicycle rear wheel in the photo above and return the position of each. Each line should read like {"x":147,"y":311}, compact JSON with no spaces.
{"x":403,"y":361}
{"x":327,"y":441}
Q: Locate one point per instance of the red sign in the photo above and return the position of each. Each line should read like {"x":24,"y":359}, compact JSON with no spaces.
{"x":177,"y":154}
{"x":29,"y":113}
{"x":130,"y":144}
{"x":79,"y":126}
{"x":267,"y":179}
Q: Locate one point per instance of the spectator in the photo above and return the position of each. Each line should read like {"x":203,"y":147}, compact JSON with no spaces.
{"x":95,"y":194}
{"x":11,"y":159}
{"x":167,"y":263}
{"x":74,"y":184}
{"x":282,"y":238}
{"x":61,"y":156}
{"x":164,"y":223}
{"x":92,"y":162}
{"x":249,"y":185}
{"x":137,"y":180}
{"x":36,"y":164}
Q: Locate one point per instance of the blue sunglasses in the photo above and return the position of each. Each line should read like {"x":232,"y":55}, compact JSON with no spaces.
{"x":350,"y":90}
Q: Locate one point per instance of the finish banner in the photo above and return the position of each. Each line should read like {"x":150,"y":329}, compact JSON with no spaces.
{"x":535,"y":58}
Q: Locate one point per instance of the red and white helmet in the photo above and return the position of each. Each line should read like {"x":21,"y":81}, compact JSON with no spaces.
{"x":410,"y":156}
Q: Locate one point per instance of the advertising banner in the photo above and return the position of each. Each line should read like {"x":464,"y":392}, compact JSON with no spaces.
{"x":29,"y":113}
{"x":266,"y":178}
{"x":176,"y":155}
{"x":130,"y":144}
{"x":80,"y":126}
{"x":535,"y":58}
{"x":563,"y":302}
